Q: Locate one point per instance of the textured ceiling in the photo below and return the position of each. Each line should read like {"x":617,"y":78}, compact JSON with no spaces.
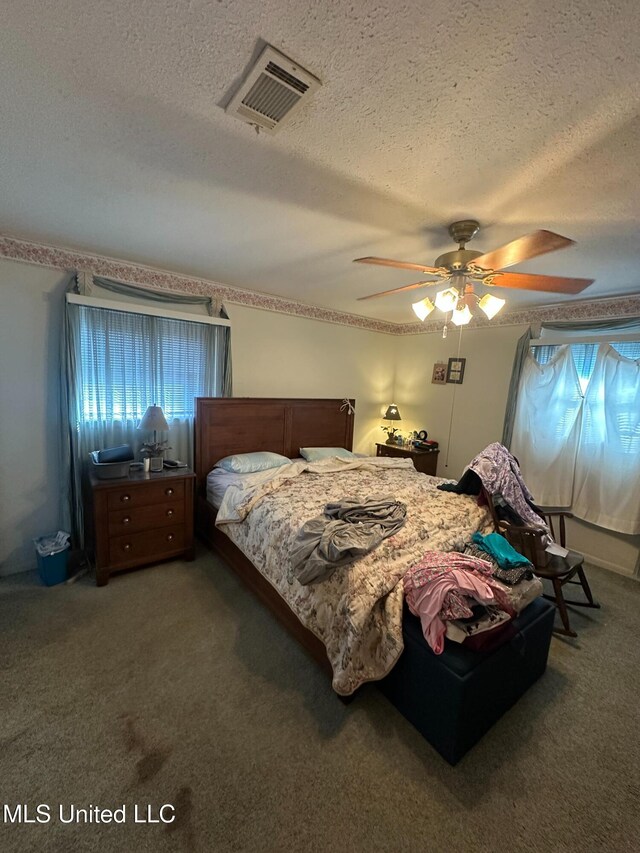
{"x":522,"y":115}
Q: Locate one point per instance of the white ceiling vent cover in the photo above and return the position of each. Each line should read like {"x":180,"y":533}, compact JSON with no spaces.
{"x":272,"y":91}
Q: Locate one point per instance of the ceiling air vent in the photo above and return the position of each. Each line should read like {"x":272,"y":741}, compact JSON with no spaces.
{"x":272,"y":91}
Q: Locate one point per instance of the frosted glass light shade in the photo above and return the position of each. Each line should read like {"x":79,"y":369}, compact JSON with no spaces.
{"x":423,"y":308}
{"x":447,"y":299}
{"x":461,"y":317}
{"x":490,"y":305}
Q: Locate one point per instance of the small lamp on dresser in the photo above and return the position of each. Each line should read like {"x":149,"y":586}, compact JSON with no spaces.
{"x":392,"y":414}
{"x":154,"y":421}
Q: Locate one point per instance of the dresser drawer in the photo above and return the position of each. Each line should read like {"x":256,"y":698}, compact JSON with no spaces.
{"x":147,"y":545}
{"x":125,"y":497}
{"x":124,"y":521}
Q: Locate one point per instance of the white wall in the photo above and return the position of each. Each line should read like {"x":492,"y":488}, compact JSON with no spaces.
{"x":31,"y":300}
{"x":276,"y":355}
{"x":475,"y":409}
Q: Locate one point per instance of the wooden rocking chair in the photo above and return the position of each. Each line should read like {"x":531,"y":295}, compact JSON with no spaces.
{"x":530,"y":542}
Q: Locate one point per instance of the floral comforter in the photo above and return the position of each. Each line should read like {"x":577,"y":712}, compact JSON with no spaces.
{"x":357,"y":612}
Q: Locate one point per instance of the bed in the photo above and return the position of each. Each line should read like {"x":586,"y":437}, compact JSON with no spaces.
{"x":241,"y":425}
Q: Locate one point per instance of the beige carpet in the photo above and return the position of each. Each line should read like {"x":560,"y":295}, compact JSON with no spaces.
{"x":174,"y":685}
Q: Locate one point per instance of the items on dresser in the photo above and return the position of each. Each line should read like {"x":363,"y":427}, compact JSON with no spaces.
{"x":425,"y":461}
{"x":112,"y":462}
{"x":425,"y":445}
{"x":141,"y":519}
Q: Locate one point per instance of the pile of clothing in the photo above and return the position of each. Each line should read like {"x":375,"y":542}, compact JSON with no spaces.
{"x":466,"y":596}
{"x":498,"y":471}
{"x":347,"y":529}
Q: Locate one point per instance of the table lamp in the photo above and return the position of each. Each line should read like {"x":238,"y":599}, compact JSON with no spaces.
{"x":392,"y":414}
{"x":154,"y":421}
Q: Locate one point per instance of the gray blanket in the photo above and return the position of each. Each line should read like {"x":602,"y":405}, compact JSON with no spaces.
{"x":346,"y":530}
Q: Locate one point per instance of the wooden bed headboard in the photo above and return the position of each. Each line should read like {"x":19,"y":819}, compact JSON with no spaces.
{"x":226,"y":425}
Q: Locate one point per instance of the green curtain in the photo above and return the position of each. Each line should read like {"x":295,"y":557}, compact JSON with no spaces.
{"x":71,"y":498}
{"x":167,"y":297}
{"x":522,"y":351}
{"x":629,"y":324}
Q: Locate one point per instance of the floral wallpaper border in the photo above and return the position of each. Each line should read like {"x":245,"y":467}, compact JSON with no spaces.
{"x":36,"y":253}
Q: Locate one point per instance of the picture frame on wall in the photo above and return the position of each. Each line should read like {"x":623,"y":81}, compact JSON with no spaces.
{"x":439,"y":375}
{"x":455,"y":370}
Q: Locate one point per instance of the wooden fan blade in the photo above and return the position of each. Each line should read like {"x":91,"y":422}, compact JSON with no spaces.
{"x":552,"y":283}
{"x":522,"y":249}
{"x":400,"y":289}
{"x":401,"y":265}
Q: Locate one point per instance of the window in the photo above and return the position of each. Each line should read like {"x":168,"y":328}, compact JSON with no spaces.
{"x":117,"y":363}
{"x":129,"y":361}
{"x":577,"y":430}
{"x":584,"y":356}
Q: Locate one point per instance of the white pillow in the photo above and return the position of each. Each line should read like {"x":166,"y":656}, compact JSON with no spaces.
{"x":314,"y":454}
{"x":219,"y":480}
{"x":250,"y":463}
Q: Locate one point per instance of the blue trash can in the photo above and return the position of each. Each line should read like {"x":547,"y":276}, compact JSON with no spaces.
{"x":52,"y":567}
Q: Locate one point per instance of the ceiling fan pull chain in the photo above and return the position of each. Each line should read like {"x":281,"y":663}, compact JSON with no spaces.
{"x":444,"y":331}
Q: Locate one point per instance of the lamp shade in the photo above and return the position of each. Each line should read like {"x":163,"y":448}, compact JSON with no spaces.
{"x":153,"y":420}
{"x":490,"y":305}
{"x":392,"y":413}
{"x":423,"y":308}
{"x":447,"y":299}
{"x":461,"y":316}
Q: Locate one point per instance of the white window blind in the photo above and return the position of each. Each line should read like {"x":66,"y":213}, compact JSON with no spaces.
{"x":129,"y":361}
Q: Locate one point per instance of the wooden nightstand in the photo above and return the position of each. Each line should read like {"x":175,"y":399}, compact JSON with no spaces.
{"x":425,"y":461}
{"x":141,"y":519}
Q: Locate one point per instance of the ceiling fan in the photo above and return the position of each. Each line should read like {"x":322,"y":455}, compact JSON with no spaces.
{"x":462,"y":268}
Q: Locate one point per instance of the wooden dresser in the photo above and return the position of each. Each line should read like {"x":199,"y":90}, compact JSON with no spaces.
{"x":141,"y":519}
{"x":425,"y":461}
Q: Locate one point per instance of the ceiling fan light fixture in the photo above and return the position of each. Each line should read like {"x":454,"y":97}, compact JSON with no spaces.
{"x":491,"y":305}
{"x":423,"y":308}
{"x":461,"y":316}
{"x":447,"y":299}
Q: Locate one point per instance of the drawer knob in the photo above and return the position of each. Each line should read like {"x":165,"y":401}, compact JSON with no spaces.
{"x":126,"y":520}
{"x":169,"y":512}
{"x":170,"y":537}
{"x":168,"y":491}
{"x":127,"y":547}
{"x":125,"y":498}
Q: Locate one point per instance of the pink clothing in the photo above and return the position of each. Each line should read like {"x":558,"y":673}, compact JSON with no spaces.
{"x":439,"y":575}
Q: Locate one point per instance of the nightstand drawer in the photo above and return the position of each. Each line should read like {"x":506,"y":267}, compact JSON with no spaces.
{"x":149,"y":544}
{"x":142,"y":495}
{"x":124,"y":521}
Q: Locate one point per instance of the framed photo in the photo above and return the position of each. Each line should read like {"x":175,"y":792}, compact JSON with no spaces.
{"x":455,"y":370}
{"x":439,"y":376}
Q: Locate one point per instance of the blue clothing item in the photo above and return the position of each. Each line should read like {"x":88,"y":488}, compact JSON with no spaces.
{"x":502,"y":552}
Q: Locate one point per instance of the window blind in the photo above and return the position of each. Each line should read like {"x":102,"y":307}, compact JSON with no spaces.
{"x":129,"y":361}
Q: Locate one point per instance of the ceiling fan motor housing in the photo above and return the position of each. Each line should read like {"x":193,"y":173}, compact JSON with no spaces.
{"x":457,"y":261}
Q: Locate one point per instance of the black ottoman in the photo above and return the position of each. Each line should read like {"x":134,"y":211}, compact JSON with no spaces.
{"x":454,"y":698}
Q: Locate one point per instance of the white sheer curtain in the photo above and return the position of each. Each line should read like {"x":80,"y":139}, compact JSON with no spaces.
{"x":547,"y":427}
{"x":129,"y":361}
{"x":607,"y":477}
{"x":119,"y":362}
